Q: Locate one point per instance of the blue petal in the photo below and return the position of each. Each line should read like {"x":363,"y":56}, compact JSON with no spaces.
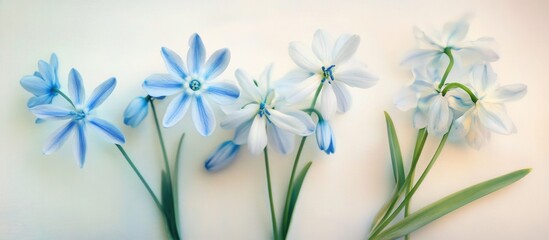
{"x":159,"y":85}
{"x":35,"y":85}
{"x":39,"y":100}
{"x":59,"y":137}
{"x":80,"y":146}
{"x":222,"y":156}
{"x":176,"y":109}
{"x":196,"y":54}
{"x":282,"y":141}
{"x":109,"y":132}
{"x":174,"y":64}
{"x":223,"y":93}
{"x":241,"y":132}
{"x":50,"y":111}
{"x":325,"y":137}
{"x":136,"y":111}
{"x":203,"y":116}
{"x":37,"y":74}
{"x":100,"y":93}
{"x":39,"y":120}
{"x":46,"y":71}
{"x":55,"y":65}
{"x":216,"y":64}
{"x":76,"y":88}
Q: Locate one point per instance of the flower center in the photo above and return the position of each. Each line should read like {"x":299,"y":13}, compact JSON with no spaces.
{"x":195,"y":85}
{"x":327,"y":74}
{"x":263,"y":109}
{"x":79,"y":115}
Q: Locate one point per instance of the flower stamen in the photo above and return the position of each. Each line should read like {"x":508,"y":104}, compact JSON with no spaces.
{"x":327,"y":74}
{"x":195,"y":85}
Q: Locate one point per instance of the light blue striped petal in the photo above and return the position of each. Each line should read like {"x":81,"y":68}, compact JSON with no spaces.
{"x":216,"y":64}
{"x":176,"y":109}
{"x":76,"y":88}
{"x":196,"y":55}
{"x":282,"y":141}
{"x":56,"y":140}
{"x":158,"y":85}
{"x":136,"y":111}
{"x":35,"y":85}
{"x":237,"y":118}
{"x":242,"y":132}
{"x":80,"y":145}
{"x":325,"y":137}
{"x":222,"y":156}
{"x":108,"y":131}
{"x":39,"y":100}
{"x":440,"y":116}
{"x":343,"y":96}
{"x":222,"y":92}
{"x":100,"y":93}
{"x":257,"y":139}
{"x":46,"y":71}
{"x":419,"y":57}
{"x":507,"y":93}
{"x":174,"y":64}
{"x":37,"y":74}
{"x":50,"y":111}
{"x":297,"y":124}
{"x":203,"y":116}
{"x":54,"y":62}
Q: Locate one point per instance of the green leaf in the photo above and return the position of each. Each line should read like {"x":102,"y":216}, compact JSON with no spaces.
{"x":176,"y":182}
{"x":396,"y":155}
{"x":296,"y":188}
{"x":168,"y":203}
{"x":448,"y":204}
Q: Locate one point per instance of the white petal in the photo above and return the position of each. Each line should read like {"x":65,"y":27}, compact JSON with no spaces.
{"x":357,"y":77}
{"x":279,"y":139}
{"x":420,"y":118}
{"x":506,"y":93}
{"x":483,"y":78}
{"x":344,"y":49}
{"x":440,"y":116}
{"x":257,"y":140}
{"x":459,"y":100}
{"x":328,"y":101}
{"x":322,"y":46}
{"x":295,"y":123}
{"x":249,"y":90}
{"x":235,"y":119}
{"x":344,"y":99}
{"x":494,"y":116}
{"x":303,"y":58}
{"x":294,"y":88}
{"x":242,"y":132}
{"x":425,"y":39}
{"x":265,"y":79}
{"x":455,"y":32}
{"x":419,"y":57}
{"x":405,"y":99}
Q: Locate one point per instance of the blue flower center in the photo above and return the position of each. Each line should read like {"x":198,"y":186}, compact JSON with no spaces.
{"x":79,"y":115}
{"x":263,"y":109}
{"x":327,"y":74}
{"x":195,"y":85}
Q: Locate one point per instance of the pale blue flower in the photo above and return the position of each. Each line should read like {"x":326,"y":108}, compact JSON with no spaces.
{"x":192,"y":85}
{"x":325,"y":136}
{"x":136,"y":111}
{"x":328,"y":67}
{"x":488,"y":113}
{"x":222,"y":156}
{"x":264,"y":117}
{"x":79,"y":116}
{"x":44,"y":84}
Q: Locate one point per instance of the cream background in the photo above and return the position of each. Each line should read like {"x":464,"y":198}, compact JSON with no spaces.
{"x":48,"y":197}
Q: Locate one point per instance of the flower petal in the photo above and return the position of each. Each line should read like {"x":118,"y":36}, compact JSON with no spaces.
{"x":494,"y":117}
{"x":325,"y":137}
{"x":222,"y":156}
{"x":242,"y":132}
{"x":425,"y":39}
{"x":257,"y":140}
{"x":483,"y":78}
{"x":158,"y":85}
{"x":203,"y":116}
{"x":296,"y":123}
{"x":249,"y":90}
{"x":56,"y":140}
{"x":357,"y":77}
{"x":54,"y":62}
{"x":222,"y":92}
{"x":506,"y":93}
{"x":196,"y":55}
{"x":328,"y":101}
{"x":237,"y":118}
{"x":76,"y":88}
{"x":136,"y":111}
{"x":405,"y":99}
{"x":279,"y":139}
{"x":39,"y":100}
{"x":455,"y":31}
{"x":304,"y":59}
{"x":474,"y":54}
{"x":419,"y":57}
{"x":440,"y":116}
{"x":35,"y":85}
{"x":101,"y":93}
{"x":50,"y":111}
{"x":344,"y":49}
{"x":108,"y":131}
{"x":421,"y":120}
{"x":343,"y":96}
{"x":176,"y":109}
{"x":46,"y":71}
{"x":322,"y":46}
{"x":173,"y":62}
{"x":80,"y":146}
{"x":216,"y":64}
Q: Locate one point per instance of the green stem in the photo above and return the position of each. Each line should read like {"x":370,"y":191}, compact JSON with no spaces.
{"x":161,"y":140}
{"x":383,"y":224}
{"x":296,"y":161}
{"x":65,"y":97}
{"x":420,"y":142}
{"x":134,"y":168}
{"x":463,"y":87}
{"x":271,"y":202}
{"x":448,"y":52}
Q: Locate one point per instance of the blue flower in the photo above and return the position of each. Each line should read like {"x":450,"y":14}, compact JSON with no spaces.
{"x":44,"y":84}
{"x":80,"y":115}
{"x":192,"y":85}
{"x":222,"y":156}
{"x":136,"y":111}
{"x":325,"y":136}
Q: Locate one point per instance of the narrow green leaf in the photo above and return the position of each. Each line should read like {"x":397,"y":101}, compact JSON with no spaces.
{"x":448,"y":204}
{"x":293,"y":199}
{"x":396,"y":155}
{"x":168,"y":203}
{"x":177,"y":171}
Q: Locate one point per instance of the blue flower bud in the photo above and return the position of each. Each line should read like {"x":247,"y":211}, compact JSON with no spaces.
{"x":222,"y":156}
{"x":136,"y":111}
{"x":325,"y":137}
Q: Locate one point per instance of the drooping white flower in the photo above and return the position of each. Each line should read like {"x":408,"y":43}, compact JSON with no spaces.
{"x":326,"y":66}
{"x":488,"y":113}
{"x":264,"y":117}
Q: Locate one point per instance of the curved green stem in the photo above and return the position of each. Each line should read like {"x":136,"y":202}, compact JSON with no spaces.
{"x":161,"y":140}
{"x":271,"y":202}
{"x":448,"y":52}
{"x":461,"y":86}
{"x":65,"y":97}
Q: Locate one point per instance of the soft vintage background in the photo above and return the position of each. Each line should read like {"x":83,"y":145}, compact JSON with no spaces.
{"x":49,"y":197}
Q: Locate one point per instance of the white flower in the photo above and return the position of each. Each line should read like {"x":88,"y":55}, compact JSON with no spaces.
{"x":265,"y":118}
{"x":488,"y":113}
{"x":325,"y":65}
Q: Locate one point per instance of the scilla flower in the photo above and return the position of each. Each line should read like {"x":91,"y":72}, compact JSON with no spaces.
{"x":265,"y":118}
{"x":326,"y":67}
{"x":44,"y":84}
{"x":450,"y":41}
{"x":222,"y":156}
{"x":488,"y":113}
{"x":325,"y":136}
{"x":79,"y":116}
{"x":192,"y":85}
{"x":137,"y":110}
